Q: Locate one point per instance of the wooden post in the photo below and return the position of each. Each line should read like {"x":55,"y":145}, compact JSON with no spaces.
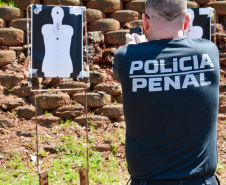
{"x":84,"y":179}
{"x":43,"y":178}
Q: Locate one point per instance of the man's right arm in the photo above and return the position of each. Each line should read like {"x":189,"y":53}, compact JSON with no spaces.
{"x":135,"y":38}
{"x":115,"y":65}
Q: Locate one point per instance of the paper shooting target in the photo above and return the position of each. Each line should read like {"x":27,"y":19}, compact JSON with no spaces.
{"x":57,"y":41}
{"x":200,"y":23}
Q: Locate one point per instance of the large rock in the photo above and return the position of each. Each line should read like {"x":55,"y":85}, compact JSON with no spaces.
{"x":95,"y":37}
{"x":108,"y":57}
{"x":118,"y":99}
{"x":93,"y":15}
{"x":47,"y":120}
{"x":102,"y":147}
{"x":63,"y":2}
{"x":222,"y":109}
{"x":27,"y":133}
{"x":223,"y":20}
{"x":71,"y":85}
{"x":104,"y":25}
{"x":2,"y":23}
{"x":136,"y":5}
{"x":20,"y":23}
{"x":14,"y":67}
{"x":112,"y":89}
{"x":219,"y":28}
{"x":7,"y":56}
{"x":131,"y":24}
{"x":202,"y":2}
{"x":10,"y":102}
{"x":116,"y":37}
{"x":223,"y":88}
{"x":9,"y":13}
{"x":222,"y":117}
{"x":23,"y":4}
{"x":97,"y":78}
{"x":222,"y":99}
{"x":27,"y":112}
{"x":22,"y":90}
{"x":106,"y":6}
{"x":11,"y":36}
{"x":124,"y":16}
{"x":50,"y":81}
{"x":2,"y":155}
{"x":111,"y":111}
{"x":69,"y":111}
{"x":51,"y":101}
{"x":94,"y":100}
{"x":97,"y":121}
{"x":219,"y":6}
{"x":192,"y":4}
{"x":5,"y":122}
{"x":10,"y":80}
{"x":51,"y":148}
{"x":1,"y":90}
{"x":223,"y":61}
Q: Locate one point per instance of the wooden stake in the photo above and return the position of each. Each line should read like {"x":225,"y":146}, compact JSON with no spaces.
{"x":43,"y":178}
{"x":84,"y":179}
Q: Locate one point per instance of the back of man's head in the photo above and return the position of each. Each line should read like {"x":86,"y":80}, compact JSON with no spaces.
{"x":167,"y":10}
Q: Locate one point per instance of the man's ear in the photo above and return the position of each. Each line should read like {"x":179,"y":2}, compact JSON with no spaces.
{"x":145,"y":22}
{"x":187,"y":20}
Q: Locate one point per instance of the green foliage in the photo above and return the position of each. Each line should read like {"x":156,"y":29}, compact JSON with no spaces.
{"x":220,"y":167}
{"x":7,"y":2}
{"x":115,"y":101}
{"x":46,"y":113}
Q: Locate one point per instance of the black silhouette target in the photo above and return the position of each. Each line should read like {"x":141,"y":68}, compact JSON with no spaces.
{"x":57,"y":41}
{"x":200,"y":23}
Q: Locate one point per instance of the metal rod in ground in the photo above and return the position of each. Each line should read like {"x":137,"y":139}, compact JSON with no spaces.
{"x":36,"y":133}
{"x":87,"y":136}
{"x":43,"y":178}
{"x":83,"y":174}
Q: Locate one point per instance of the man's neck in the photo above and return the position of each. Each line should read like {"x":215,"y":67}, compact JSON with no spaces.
{"x":160,"y":36}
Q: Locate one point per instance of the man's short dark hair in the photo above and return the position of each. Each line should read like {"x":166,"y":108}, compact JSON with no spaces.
{"x":167,"y":9}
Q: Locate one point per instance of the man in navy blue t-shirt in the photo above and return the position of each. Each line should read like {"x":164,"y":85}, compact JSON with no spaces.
{"x":170,"y":90}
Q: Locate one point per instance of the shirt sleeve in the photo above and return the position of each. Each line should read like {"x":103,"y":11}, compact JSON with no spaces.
{"x":115,"y":66}
{"x":119,"y":60}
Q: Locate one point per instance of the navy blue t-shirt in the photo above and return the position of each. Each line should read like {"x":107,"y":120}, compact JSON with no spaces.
{"x":170,"y":99}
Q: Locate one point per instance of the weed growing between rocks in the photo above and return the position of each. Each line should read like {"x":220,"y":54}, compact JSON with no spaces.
{"x":10,"y":3}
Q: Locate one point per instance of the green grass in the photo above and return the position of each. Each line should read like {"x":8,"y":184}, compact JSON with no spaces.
{"x":10,"y":3}
{"x":115,"y":101}
{"x":47,"y":113}
{"x":63,"y":167}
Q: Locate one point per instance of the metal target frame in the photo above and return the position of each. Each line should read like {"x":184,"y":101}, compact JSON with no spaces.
{"x":209,"y":12}
{"x":43,"y":176}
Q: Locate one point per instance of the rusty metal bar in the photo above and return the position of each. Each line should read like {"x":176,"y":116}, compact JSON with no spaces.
{"x":43,"y":178}
{"x":83,"y":174}
{"x":36,"y":134}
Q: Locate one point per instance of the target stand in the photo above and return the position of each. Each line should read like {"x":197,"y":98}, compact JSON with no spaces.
{"x":200,"y":23}
{"x":57,"y":52}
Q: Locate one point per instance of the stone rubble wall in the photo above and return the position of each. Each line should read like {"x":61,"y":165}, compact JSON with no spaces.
{"x":108,"y":22}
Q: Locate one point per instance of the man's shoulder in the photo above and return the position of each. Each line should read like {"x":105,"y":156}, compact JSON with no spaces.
{"x":128,"y":49}
{"x":121,"y":50}
{"x":203,"y":45}
{"x":202,"y":42}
